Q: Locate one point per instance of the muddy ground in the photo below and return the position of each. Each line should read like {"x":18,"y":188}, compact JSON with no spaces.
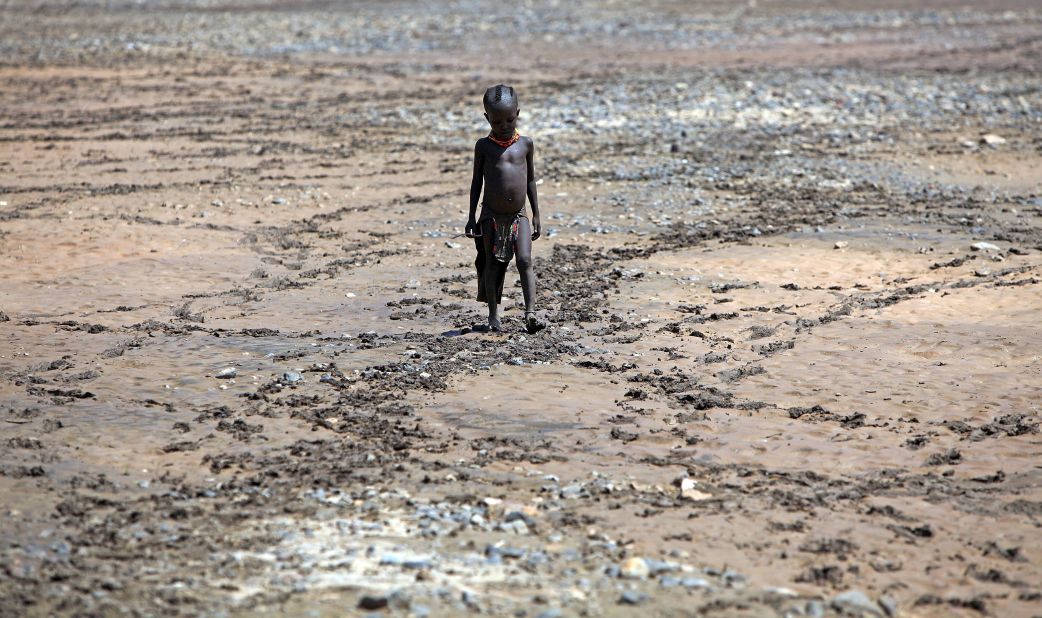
{"x":791,"y":263}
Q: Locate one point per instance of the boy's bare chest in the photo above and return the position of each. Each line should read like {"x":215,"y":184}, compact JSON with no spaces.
{"x":508,"y":161}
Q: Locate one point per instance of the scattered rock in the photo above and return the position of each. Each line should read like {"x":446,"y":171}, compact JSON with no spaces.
{"x":841,"y":244}
{"x":226,"y":373}
{"x":633,"y":597}
{"x":689,"y":490}
{"x":984,"y":246}
{"x":950,"y":457}
{"x":855,"y":603}
{"x":990,"y":139}
{"x":634,"y":568}
{"x":373,"y":602}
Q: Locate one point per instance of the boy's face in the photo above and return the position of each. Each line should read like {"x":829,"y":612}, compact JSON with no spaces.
{"x":503,"y":121}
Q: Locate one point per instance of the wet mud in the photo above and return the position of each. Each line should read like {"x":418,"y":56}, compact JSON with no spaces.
{"x":790,"y":267}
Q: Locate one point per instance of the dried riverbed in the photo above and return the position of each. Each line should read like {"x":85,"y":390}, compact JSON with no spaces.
{"x":791,"y":266}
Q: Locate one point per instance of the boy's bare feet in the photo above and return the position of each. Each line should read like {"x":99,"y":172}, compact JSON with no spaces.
{"x":494,"y":325}
{"x":532,"y":323}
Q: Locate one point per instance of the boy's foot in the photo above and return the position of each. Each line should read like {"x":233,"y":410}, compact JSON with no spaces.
{"x":494,"y":325}
{"x":533,"y":324}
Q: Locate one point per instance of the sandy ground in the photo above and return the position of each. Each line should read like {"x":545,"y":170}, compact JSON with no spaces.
{"x":783,"y":375}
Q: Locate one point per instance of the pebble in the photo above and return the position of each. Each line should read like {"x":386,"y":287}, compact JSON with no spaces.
{"x":840,"y":244}
{"x":633,"y":597}
{"x":984,"y":246}
{"x":226,"y":373}
{"x":518,"y":526}
{"x":372,"y":602}
{"x":688,"y":490}
{"x":889,"y":606}
{"x":696,"y":582}
{"x":857,"y":601}
{"x":656,"y":567}
{"x":634,"y":568}
{"x":571,"y":491}
{"x":291,"y":377}
{"x":990,"y":139}
{"x":814,"y":609}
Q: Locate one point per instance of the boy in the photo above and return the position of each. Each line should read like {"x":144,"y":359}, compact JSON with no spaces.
{"x":503,"y":164}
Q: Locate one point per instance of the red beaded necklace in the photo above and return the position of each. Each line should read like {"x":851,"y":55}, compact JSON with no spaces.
{"x":506,"y":143}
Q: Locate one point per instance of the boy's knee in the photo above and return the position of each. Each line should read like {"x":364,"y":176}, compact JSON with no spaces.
{"x":524,"y":263}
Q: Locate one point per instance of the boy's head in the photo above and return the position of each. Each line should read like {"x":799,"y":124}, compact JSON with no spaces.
{"x":501,"y":110}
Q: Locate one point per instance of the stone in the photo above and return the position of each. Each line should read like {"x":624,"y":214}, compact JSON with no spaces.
{"x":889,"y":606}
{"x":857,"y":602}
{"x":990,"y":139}
{"x":814,"y":609}
{"x":695,"y":582}
{"x":226,"y":374}
{"x":291,"y":377}
{"x":688,"y":490}
{"x":840,"y":244}
{"x":633,"y":597}
{"x":634,"y":568}
{"x":571,"y":491}
{"x":984,"y":246}
{"x":372,"y":602}
{"x":656,"y":567}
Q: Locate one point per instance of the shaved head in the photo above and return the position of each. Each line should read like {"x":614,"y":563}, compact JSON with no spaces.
{"x":500,"y":97}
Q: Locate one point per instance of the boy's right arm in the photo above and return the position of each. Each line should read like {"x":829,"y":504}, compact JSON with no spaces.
{"x":475,"y":188}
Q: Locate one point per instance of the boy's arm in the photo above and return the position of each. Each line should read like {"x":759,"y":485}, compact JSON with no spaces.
{"x":475,"y":187}
{"x":533,"y":198}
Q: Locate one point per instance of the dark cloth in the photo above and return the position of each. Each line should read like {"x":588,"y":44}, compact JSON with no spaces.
{"x":498,"y":235}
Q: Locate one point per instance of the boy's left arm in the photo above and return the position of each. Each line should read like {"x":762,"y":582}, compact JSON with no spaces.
{"x":533,"y":199}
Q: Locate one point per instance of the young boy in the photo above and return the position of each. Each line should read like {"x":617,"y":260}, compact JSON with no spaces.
{"x":503,"y":164}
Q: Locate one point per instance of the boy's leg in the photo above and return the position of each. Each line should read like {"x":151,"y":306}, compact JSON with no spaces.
{"x":523,"y":253}
{"x":490,"y":278}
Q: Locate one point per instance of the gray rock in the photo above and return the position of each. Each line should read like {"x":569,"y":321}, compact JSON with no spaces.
{"x":857,"y":603}
{"x":291,"y":377}
{"x":226,"y":373}
{"x":814,"y":609}
{"x":889,"y":606}
{"x":656,"y":567}
{"x":984,"y":246}
{"x":695,"y":582}
{"x":571,"y":491}
{"x":633,"y":597}
{"x":734,"y":578}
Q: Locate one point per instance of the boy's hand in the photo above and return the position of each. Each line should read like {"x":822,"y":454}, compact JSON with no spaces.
{"x":471,"y":227}
{"x":537,"y":229}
